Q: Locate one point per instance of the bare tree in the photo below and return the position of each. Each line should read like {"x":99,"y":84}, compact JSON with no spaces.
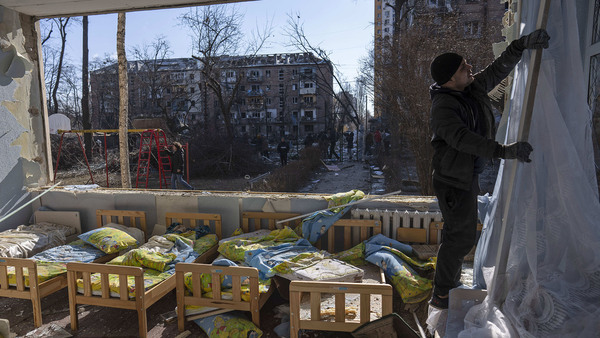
{"x":297,"y":38}
{"x":85,"y":91}
{"x":216,"y":33}
{"x":105,"y":92}
{"x":123,"y":103}
{"x":62,"y":24}
{"x":159,"y":86}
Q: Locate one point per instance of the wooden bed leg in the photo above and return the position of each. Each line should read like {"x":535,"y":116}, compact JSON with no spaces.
{"x":143,"y":322}
{"x":294,"y":313}
{"x":72,"y":287}
{"x":37,"y":310}
{"x":180,"y":301}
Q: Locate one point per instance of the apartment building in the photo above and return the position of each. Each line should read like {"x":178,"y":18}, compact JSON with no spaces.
{"x":273,"y":95}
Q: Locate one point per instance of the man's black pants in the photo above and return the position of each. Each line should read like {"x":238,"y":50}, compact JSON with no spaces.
{"x":459,"y":210}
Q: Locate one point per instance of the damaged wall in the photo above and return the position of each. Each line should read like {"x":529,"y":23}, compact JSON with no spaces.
{"x":229,"y":205}
{"x":22,"y":125}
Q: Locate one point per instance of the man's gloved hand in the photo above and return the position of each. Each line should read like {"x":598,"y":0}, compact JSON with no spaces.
{"x":518,"y":150}
{"x":536,"y":39}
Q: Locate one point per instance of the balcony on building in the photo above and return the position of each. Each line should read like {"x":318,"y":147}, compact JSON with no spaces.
{"x":255,"y":92}
{"x":254,"y":78}
{"x":308,"y":91}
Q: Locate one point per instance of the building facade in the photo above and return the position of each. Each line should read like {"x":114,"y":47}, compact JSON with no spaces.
{"x":273,"y":95}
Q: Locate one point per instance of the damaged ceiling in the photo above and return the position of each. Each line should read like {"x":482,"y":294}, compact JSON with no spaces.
{"x":57,"y":8}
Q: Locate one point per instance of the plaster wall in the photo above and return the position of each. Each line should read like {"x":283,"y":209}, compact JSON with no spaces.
{"x":229,"y":205}
{"x":23,"y":127}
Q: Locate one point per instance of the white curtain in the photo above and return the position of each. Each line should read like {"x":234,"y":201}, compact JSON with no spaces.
{"x":554,"y":261}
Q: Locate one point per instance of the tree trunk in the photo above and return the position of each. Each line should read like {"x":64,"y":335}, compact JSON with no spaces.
{"x":85,"y":103}
{"x":123,"y":103}
{"x":63,"y":36}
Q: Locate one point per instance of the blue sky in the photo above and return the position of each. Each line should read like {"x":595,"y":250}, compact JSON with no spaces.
{"x":342,"y":27}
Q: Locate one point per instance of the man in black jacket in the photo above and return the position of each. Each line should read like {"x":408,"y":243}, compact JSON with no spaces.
{"x":463,"y":138}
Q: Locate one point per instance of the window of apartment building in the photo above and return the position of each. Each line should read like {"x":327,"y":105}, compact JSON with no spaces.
{"x":268,"y":87}
{"x":472,"y":29}
{"x":255,"y":88}
{"x":193,"y":103}
{"x":168,"y":90}
{"x":243,"y":115}
{"x":308,"y":85}
{"x":243,"y":102}
{"x":309,"y":99}
{"x":294,"y":86}
{"x":268,"y":73}
{"x":192,"y":90}
{"x":268,"y":114}
{"x":256,"y":114}
{"x":254,"y":73}
{"x":294,"y":100}
{"x":386,"y":30}
{"x":268,"y":100}
{"x":308,"y":128}
{"x":191,"y":76}
{"x":281,"y":88}
{"x":294,"y":72}
{"x":281,"y":102}
{"x":386,"y":22}
{"x":308,"y":114}
{"x":281,"y":74}
{"x":229,"y":74}
{"x":387,"y":14}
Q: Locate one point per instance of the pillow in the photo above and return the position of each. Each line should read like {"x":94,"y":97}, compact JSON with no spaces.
{"x":136,"y":233}
{"x":109,"y":240}
{"x":233,"y":324}
{"x":144,"y":258}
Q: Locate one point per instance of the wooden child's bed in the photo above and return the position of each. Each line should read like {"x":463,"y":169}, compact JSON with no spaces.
{"x":362,"y":230}
{"x":38,"y":290}
{"x":325,"y":296}
{"x":142,"y":299}
{"x":251,"y":221}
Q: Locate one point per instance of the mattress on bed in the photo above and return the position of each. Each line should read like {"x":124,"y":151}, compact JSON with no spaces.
{"x":326,"y":270}
{"x":53,"y":262}
{"x":183,"y":251}
{"x":27,"y":240}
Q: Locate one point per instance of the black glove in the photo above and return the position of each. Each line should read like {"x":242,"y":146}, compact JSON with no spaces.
{"x":518,"y":150}
{"x":535,"y":40}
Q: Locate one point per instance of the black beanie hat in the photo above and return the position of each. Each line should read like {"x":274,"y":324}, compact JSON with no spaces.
{"x":444,"y":66}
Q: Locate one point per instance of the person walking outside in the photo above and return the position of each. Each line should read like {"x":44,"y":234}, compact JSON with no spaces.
{"x":349,"y":143}
{"x":463,"y":138}
{"x":283,"y":148}
{"x":175,"y":151}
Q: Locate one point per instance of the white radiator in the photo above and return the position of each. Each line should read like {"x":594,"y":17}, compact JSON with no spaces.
{"x":392,"y":220}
